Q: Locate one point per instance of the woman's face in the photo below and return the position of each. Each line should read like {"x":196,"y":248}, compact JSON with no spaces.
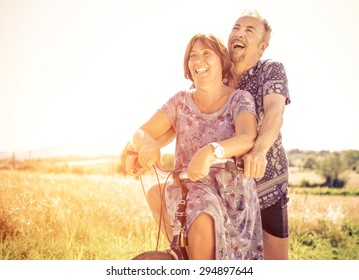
{"x":204,"y":64}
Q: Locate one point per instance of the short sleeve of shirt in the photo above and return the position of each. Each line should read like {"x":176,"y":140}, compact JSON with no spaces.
{"x":274,"y":79}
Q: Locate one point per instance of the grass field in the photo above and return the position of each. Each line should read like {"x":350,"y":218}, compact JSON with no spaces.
{"x":105,"y":217}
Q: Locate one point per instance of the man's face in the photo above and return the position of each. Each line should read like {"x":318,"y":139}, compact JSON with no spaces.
{"x":245,"y":43}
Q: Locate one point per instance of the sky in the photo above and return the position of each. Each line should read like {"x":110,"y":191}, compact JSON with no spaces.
{"x":87,"y":74}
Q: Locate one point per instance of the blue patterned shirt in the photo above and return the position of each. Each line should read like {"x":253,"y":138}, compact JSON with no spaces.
{"x":269,"y":77}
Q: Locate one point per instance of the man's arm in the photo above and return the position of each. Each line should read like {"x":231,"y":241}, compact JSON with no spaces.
{"x":255,"y":161}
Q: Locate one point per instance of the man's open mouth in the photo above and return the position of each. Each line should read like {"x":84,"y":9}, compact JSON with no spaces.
{"x":238,"y":45}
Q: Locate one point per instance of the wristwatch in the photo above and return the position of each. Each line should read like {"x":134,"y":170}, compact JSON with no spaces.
{"x":218,"y":150}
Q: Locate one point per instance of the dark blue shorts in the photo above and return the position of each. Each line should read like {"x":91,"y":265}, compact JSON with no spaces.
{"x":275,"y":218}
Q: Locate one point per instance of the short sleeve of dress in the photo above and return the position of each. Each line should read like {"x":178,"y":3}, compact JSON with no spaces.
{"x":171,"y":106}
{"x":242,"y":102}
{"x":274,"y":79}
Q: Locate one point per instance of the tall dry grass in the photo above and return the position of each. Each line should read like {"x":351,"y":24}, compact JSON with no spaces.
{"x":53,"y":216}
{"x":98,"y":217}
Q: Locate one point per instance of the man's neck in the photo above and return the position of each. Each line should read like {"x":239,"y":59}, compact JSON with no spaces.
{"x":237,"y":71}
{"x":239,"y":68}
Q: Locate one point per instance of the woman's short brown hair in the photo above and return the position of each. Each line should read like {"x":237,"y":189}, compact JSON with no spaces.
{"x":214,"y":44}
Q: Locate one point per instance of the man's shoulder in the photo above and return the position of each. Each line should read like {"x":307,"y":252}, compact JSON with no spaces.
{"x":269,"y":63}
{"x":270,"y":68}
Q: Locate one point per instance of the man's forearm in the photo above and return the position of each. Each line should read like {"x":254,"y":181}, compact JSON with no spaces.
{"x":268,"y":133}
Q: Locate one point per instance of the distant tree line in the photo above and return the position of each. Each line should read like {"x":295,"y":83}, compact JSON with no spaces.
{"x":332,"y":166}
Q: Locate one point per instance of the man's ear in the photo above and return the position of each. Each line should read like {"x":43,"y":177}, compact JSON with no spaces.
{"x":263,"y":45}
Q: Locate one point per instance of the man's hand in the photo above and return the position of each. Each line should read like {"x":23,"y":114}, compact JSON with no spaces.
{"x":255,"y":164}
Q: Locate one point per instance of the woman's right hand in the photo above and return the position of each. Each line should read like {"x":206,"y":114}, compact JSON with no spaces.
{"x":148,"y":156}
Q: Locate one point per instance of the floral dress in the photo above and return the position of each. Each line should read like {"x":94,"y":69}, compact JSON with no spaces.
{"x":228,"y":197}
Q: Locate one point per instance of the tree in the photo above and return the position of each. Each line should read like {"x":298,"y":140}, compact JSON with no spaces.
{"x":352,"y":159}
{"x":167,"y":161}
{"x":122,"y":165}
{"x":310,"y":162}
{"x":333,"y":167}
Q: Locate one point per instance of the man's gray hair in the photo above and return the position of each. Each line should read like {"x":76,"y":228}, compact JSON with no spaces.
{"x":267,"y":28}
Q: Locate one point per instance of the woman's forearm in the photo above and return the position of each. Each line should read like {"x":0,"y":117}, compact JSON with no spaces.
{"x":143,"y":138}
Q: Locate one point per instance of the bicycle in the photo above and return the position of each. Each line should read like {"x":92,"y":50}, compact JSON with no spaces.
{"x":179,"y":240}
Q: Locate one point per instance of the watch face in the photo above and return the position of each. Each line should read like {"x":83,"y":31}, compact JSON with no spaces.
{"x":219,"y":152}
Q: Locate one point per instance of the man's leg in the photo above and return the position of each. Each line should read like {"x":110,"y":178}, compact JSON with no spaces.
{"x":275,"y":230}
{"x":275,"y":248}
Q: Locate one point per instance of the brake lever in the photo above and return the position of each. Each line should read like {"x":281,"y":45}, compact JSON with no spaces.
{"x":234,"y":165}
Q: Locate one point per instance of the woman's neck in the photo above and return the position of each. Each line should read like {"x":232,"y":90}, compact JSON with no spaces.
{"x":211,"y":99}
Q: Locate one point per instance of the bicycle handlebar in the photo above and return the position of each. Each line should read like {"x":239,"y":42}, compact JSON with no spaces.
{"x":230,"y":164}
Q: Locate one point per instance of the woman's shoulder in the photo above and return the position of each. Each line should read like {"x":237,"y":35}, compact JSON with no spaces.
{"x":180,"y":95}
{"x":240,"y":93}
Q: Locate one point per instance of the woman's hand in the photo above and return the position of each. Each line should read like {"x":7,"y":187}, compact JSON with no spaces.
{"x":148,"y":156}
{"x":131,"y":164}
{"x":200,"y":164}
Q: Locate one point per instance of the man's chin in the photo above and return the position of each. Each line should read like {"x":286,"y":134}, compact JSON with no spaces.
{"x":237,"y":59}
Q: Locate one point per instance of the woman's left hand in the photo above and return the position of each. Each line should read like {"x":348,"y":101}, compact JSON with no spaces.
{"x":200,"y":164}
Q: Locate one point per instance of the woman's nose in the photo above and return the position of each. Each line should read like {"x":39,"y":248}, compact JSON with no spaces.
{"x":198,"y":61}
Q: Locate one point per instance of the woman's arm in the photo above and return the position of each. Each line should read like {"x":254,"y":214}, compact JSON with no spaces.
{"x":166,"y":138}
{"x":144,"y":139}
{"x":241,"y":143}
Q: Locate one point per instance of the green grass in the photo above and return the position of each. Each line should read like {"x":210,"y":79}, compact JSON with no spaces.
{"x":105,"y":217}
{"x":326,"y":191}
{"x":324,"y":240}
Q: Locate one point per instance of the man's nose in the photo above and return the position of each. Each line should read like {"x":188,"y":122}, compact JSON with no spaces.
{"x":239,"y":33}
